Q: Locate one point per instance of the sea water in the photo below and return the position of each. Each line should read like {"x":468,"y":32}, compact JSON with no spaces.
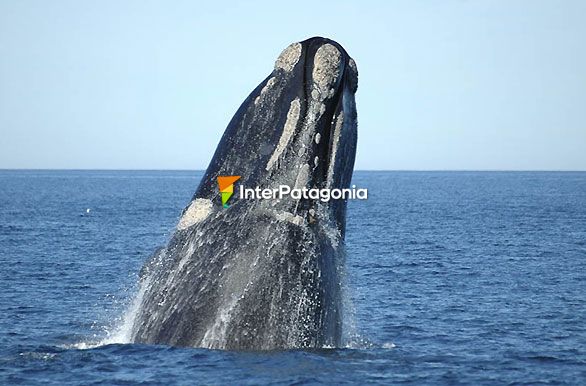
{"x":452,"y":278}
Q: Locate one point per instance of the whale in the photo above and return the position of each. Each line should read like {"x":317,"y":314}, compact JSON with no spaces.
{"x":264,"y":274}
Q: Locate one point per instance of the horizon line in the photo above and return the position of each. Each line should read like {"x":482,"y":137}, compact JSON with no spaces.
{"x":356,"y":170}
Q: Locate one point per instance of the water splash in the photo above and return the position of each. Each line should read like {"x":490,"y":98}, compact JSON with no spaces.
{"x":123,"y":332}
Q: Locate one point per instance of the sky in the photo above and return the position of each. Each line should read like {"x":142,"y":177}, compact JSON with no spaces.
{"x":443,"y":85}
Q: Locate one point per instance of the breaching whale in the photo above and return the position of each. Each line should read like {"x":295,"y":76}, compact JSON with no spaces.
{"x":264,"y":274}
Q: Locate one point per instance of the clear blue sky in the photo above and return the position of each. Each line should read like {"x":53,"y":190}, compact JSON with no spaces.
{"x":152,"y":84}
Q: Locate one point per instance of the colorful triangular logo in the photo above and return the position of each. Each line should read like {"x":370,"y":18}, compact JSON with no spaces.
{"x":226,"y":185}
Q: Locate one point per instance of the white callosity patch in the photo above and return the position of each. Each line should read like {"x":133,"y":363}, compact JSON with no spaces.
{"x":301,"y":151}
{"x":289,"y":57}
{"x":302,"y":179}
{"x":335,"y":144}
{"x":288,"y":130}
{"x":198,"y":210}
{"x":289,"y":217}
{"x":326,"y":70}
{"x":270,"y":83}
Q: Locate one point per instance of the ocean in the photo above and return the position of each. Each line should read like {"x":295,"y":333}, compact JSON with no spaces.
{"x":452,"y":278}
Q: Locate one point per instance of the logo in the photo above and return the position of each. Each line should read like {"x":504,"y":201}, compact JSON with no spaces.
{"x":323,"y":195}
{"x":226,"y":185}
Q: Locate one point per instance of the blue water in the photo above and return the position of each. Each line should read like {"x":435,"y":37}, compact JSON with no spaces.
{"x":455,"y":277}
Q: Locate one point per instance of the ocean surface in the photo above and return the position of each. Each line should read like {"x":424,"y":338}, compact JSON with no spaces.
{"x":454,"y":278}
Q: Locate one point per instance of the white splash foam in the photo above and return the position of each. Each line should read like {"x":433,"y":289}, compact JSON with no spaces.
{"x":123,"y":333}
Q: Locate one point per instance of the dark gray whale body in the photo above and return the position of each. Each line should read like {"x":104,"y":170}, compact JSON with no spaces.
{"x":264,"y":274}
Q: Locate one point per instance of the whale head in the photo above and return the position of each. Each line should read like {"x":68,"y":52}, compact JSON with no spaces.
{"x":297,"y":128}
